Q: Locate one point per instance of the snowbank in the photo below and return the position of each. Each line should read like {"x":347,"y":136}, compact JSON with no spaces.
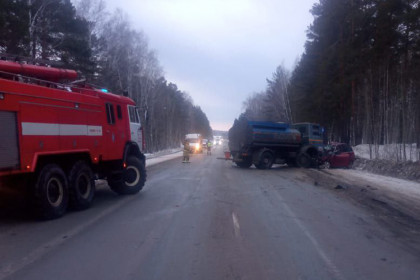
{"x":394,"y":160}
{"x":391,"y":152}
{"x":404,"y":170}
{"x":158,"y":159}
{"x":162,"y":153}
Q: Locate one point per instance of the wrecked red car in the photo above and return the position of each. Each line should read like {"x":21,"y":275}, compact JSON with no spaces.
{"x":337,"y":155}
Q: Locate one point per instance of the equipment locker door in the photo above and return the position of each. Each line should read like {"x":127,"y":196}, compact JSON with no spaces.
{"x":9,"y":150}
{"x":111,"y":134}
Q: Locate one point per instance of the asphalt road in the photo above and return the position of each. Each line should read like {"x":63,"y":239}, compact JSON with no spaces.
{"x":208,"y":220}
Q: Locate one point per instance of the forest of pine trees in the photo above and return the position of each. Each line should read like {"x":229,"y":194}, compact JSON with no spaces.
{"x":109,"y":53}
{"x":359,"y":75}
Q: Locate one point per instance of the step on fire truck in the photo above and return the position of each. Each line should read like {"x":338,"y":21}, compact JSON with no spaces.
{"x":58,"y":134}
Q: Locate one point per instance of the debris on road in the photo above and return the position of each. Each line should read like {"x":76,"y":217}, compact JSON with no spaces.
{"x":341,"y":187}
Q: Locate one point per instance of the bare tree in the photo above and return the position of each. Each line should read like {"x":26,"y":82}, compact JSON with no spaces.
{"x":277,"y":94}
{"x":35,"y":13}
{"x":95,"y":13}
{"x":255,"y":107}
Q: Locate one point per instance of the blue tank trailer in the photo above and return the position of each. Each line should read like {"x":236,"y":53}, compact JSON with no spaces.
{"x":266,"y":143}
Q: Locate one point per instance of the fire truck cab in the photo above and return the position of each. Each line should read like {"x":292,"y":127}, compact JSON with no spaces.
{"x":58,"y":135}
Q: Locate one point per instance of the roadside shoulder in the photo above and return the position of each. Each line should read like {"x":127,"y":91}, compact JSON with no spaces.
{"x":395,"y":202}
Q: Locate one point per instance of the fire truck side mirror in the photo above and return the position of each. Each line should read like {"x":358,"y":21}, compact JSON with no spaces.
{"x":125,"y":93}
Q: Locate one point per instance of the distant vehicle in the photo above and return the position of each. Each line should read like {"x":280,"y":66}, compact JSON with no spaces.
{"x":204,"y":143}
{"x":217,"y":140}
{"x":338,"y":155}
{"x":195,"y":142}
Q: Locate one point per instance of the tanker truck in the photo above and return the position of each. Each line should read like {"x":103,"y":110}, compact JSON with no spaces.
{"x":266,"y":143}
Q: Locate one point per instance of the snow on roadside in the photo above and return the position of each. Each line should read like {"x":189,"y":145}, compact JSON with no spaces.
{"x":162,"y":153}
{"x":407,"y":170}
{"x":158,"y":159}
{"x":388,"y":160}
{"x":408,"y":189}
{"x":393,"y":152}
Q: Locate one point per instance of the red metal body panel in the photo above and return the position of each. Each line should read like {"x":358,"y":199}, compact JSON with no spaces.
{"x":60,"y":121}
{"x":41,"y":72}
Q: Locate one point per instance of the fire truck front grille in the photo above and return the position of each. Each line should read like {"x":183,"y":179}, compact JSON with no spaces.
{"x":9,"y":151}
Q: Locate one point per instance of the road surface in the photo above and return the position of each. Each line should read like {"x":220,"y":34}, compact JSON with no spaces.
{"x":209,"y":220}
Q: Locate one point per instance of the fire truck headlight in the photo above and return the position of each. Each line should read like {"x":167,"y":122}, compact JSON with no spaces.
{"x":1,"y":96}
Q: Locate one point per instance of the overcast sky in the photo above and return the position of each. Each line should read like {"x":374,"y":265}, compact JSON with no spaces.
{"x":221,"y":51}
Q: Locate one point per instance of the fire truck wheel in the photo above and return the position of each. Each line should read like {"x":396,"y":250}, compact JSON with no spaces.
{"x":81,"y":186}
{"x":304,"y":160}
{"x":132,"y":179}
{"x":51,"y":192}
{"x":266,"y":160}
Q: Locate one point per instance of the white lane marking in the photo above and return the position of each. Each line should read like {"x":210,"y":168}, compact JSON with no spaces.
{"x":236,"y":226}
{"x":36,"y":254}
{"x":332,"y":268}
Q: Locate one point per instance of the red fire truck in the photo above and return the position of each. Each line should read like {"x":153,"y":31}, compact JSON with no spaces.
{"x":59,"y":134}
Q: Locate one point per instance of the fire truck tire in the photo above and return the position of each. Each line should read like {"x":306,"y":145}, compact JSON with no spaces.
{"x":304,"y":160}
{"x":266,"y":160}
{"x":81,"y":186}
{"x":51,"y":195}
{"x":132,"y":179}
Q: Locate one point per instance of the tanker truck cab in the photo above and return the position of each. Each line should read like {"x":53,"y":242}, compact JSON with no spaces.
{"x":312,"y":143}
{"x":312,"y":134}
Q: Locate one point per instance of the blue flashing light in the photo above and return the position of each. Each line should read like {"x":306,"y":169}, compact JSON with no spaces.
{"x":104,"y":90}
